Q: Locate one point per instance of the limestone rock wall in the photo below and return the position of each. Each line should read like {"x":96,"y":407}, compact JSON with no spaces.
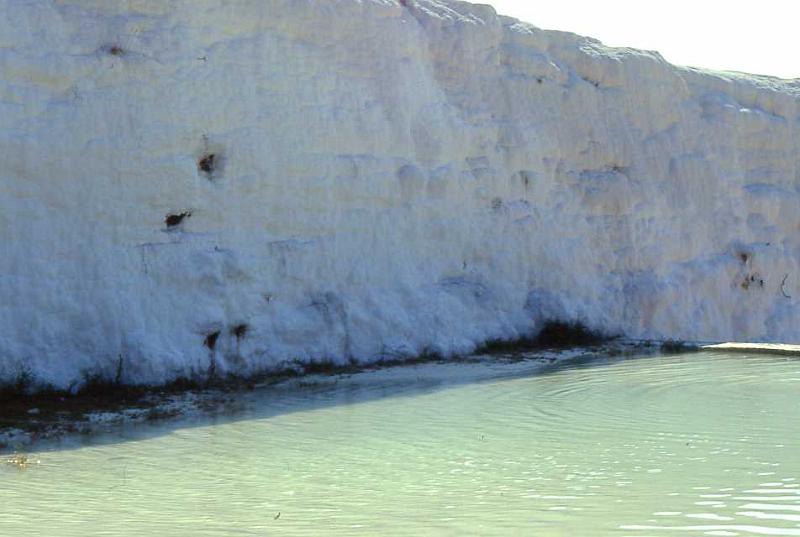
{"x":250,"y":183}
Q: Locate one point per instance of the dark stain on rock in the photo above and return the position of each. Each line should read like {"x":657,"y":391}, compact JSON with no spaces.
{"x":210,"y":341}
{"x":174,"y":220}
{"x":207,"y":163}
{"x":240,"y":330}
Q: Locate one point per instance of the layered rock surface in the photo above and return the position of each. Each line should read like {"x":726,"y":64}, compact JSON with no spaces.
{"x":238,"y":185}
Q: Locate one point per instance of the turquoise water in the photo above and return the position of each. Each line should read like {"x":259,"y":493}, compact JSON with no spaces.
{"x":699,"y":444}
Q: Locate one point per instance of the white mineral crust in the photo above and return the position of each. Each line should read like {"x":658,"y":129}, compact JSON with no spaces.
{"x":387,"y":180}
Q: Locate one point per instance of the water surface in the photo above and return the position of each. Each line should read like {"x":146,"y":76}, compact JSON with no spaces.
{"x":699,"y":444}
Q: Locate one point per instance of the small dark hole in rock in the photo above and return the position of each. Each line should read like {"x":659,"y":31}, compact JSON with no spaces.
{"x":744,"y":257}
{"x":173,"y":220}
{"x":207,"y":163}
{"x":116,"y":50}
{"x":211,"y":340}
{"x":239,"y":330}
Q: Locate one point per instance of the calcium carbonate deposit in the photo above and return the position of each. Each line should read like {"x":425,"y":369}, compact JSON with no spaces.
{"x":193,"y":187}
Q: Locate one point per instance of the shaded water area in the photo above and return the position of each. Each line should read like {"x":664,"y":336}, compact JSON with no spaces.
{"x":695,"y":444}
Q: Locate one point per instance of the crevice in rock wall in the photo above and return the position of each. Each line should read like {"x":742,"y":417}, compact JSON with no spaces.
{"x":595,"y":83}
{"x":783,"y":286}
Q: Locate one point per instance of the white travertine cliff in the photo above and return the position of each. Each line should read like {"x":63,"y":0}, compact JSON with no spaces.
{"x":363,"y":179}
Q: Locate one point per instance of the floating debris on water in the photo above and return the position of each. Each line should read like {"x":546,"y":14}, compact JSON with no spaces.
{"x":21,"y":460}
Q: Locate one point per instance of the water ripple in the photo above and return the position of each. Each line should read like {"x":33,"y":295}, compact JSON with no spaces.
{"x":697,"y":444}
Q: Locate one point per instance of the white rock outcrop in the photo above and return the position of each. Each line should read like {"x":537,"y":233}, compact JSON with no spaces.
{"x":362,"y":179}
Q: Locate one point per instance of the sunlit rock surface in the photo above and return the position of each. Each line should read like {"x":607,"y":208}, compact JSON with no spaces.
{"x":254,"y":182}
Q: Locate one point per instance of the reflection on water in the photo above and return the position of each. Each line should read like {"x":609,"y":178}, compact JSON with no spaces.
{"x":702,"y":444}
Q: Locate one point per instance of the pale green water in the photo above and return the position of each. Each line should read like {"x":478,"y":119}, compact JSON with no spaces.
{"x":701,"y":444}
